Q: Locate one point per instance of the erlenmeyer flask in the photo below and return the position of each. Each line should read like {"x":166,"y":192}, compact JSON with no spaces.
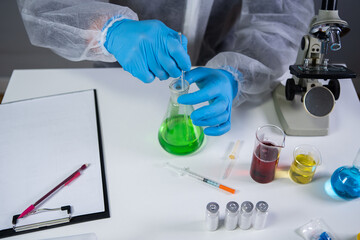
{"x":177,"y":134}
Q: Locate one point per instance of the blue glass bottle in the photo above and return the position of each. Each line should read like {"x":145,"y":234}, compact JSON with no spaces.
{"x":346,"y":180}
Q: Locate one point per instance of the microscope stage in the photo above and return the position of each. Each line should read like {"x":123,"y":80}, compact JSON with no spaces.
{"x":332,"y":72}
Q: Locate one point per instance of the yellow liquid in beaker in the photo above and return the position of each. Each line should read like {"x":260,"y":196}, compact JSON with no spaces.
{"x":302,"y":169}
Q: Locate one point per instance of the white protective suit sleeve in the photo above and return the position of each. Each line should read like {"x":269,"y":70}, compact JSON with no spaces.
{"x":265,"y":42}
{"x":50,"y":24}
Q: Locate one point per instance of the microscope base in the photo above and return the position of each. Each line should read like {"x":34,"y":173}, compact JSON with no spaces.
{"x":294,"y":118}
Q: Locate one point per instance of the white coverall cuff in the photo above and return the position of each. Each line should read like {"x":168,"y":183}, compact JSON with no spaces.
{"x":104,"y":31}
{"x":239,"y":78}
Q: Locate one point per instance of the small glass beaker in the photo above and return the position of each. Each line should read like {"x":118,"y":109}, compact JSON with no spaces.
{"x":269,"y":141}
{"x":177,"y":134}
{"x":306,"y":159}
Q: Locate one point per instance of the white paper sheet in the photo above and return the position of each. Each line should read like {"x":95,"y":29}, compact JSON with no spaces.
{"x":42,"y":142}
{"x":87,"y":236}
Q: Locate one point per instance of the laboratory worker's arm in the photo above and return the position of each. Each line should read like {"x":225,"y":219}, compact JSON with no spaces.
{"x":71,"y":28}
{"x":266,"y":41}
{"x":99,"y":31}
{"x":258,"y":51}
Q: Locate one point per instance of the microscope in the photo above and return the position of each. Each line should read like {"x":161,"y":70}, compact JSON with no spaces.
{"x":303,"y":105}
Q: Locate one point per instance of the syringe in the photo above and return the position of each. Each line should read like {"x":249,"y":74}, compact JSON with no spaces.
{"x":182,"y":72}
{"x":201,"y":178}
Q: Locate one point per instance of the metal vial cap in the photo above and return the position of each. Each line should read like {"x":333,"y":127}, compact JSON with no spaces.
{"x":262,"y":206}
{"x":232,"y":206}
{"x":212,"y":207}
{"x":247,"y":206}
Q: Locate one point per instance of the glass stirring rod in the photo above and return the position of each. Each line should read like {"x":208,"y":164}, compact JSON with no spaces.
{"x":182,"y":72}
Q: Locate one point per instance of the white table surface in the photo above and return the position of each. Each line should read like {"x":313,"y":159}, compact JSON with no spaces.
{"x":148,"y":201}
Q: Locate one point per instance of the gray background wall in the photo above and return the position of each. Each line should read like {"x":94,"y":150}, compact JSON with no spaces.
{"x":16,"y":52}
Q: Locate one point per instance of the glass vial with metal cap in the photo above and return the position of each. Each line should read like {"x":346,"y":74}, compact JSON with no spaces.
{"x":261,"y":214}
{"x":245,"y":217}
{"x":231,"y":215}
{"x":212,"y":216}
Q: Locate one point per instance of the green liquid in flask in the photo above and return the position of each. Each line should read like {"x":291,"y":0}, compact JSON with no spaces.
{"x":178,"y":135}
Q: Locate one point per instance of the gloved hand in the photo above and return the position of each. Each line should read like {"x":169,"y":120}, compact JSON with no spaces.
{"x":148,"y":49}
{"x":219,"y":88}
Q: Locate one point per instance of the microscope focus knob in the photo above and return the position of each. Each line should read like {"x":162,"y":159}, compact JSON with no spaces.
{"x":319,"y":101}
{"x":334,"y":87}
{"x":291,"y":89}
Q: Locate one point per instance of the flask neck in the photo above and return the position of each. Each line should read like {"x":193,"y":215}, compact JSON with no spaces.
{"x":177,"y":88}
{"x":356,"y":162}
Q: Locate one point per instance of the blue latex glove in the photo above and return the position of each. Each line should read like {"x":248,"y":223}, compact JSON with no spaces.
{"x":219,"y":88}
{"x":148,"y":49}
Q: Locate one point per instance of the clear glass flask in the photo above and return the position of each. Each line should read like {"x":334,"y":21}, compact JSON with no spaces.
{"x":177,"y":134}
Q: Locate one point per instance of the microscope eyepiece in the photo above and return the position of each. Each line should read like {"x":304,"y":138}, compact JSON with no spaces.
{"x":329,"y":5}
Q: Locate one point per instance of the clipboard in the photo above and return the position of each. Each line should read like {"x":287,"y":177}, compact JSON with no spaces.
{"x":19,"y":225}
{"x":43,"y":140}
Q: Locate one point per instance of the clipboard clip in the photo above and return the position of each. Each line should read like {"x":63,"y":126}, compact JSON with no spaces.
{"x":64,"y":210}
